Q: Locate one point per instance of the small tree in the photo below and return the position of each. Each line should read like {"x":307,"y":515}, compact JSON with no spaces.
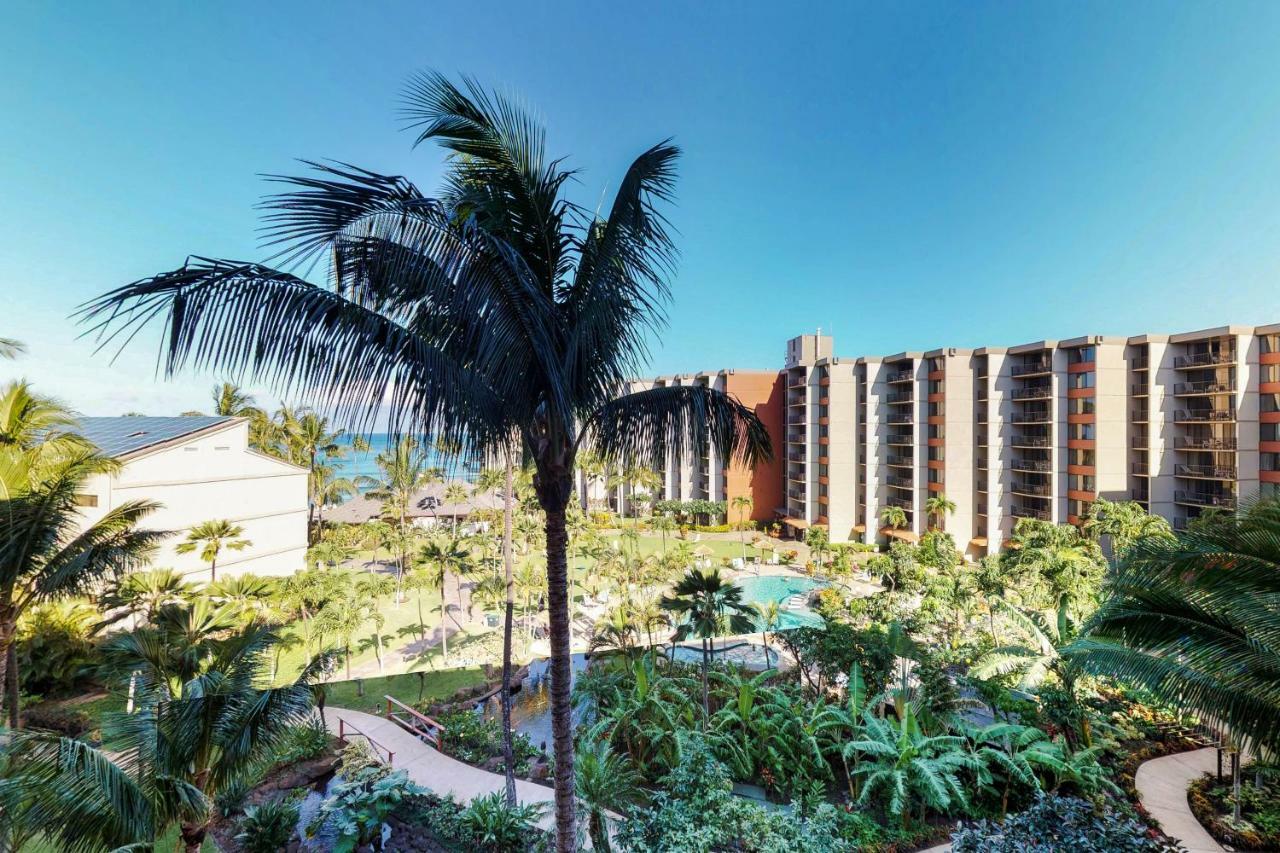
{"x":212,"y":537}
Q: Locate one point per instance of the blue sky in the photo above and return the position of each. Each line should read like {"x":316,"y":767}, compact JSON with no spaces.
{"x":908,"y":175}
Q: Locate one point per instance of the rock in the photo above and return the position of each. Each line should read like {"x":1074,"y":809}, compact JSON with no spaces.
{"x":540,"y":772}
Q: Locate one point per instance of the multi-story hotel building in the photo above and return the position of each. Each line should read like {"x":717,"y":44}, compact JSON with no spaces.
{"x":1181,"y":423}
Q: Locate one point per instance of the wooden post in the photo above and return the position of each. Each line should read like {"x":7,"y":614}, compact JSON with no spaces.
{"x":1219,"y":750}
{"x":1235,"y":783}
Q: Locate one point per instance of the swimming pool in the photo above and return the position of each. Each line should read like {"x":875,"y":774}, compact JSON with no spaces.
{"x":780,"y":588}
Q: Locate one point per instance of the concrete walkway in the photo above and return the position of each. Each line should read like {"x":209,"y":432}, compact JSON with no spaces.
{"x":1162,"y":787}
{"x":431,"y":768}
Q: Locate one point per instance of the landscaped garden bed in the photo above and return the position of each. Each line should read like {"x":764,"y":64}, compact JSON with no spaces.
{"x":1213,"y":803}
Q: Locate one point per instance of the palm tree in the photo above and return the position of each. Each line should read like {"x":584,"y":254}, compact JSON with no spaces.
{"x":230,"y":400}
{"x":211,"y":537}
{"x":939,"y":506}
{"x":405,"y":472}
{"x":769,"y":615}
{"x":11,"y":348}
{"x":1064,"y":560}
{"x":439,"y":556}
{"x":606,"y":782}
{"x":664,"y":524}
{"x":893,"y":517}
{"x":197,"y":733}
{"x":1124,"y":521}
{"x":710,"y":606}
{"x":742,"y":503}
{"x":252,"y":596}
{"x":46,"y":551}
{"x":312,"y":445}
{"x":142,"y":594}
{"x":1192,"y":618}
{"x":502,"y":307}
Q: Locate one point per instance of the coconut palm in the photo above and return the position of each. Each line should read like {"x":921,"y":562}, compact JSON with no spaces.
{"x":438,"y":557}
{"x":313,"y":446}
{"x":404,"y":472}
{"x":742,"y":503}
{"x":211,"y":538}
{"x":1066,"y":562}
{"x":11,"y":349}
{"x":710,"y":607}
{"x":769,"y":614}
{"x":501,"y":307}
{"x":607,"y":782}
{"x":938,"y":506}
{"x":46,"y":551}
{"x":1124,"y":521}
{"x":893,"y":517}
{"x":1192,"y":618}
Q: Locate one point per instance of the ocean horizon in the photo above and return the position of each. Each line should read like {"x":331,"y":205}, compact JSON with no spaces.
{"x":355,"y":463}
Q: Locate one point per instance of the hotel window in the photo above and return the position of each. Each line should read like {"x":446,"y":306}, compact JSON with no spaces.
{"x":1269,"y":432}
{"x":937,"y":410}
{"x":1270,"y":462}
{"x":1083,"y":355}
{"x":1082,"y":482}
{"x":1078,"y":508}
{"x":935,"y":476}
{"x":1270,"y":343}
{"x":85,"y":500}
{"x":1081,"y":432}
{"x":937,"y":454}
{"x":936,"y":386}
{"x":1080,"y":457}
{"x":937,"y":431}
{"x":1271,"y":402}
{"x":1081,"y":380}
{"x":1269,"y":373}
{"x":1081,"y":406}
{"x":1270,"y":490}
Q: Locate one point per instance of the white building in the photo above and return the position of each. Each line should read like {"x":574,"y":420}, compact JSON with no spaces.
{"x":201,"y":469}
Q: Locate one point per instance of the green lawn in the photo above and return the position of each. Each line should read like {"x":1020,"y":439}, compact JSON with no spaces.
{"x":408,"y":688}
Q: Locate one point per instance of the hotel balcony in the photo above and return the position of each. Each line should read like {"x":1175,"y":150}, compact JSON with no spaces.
{"x":899,"y":397}
{"x":1139,"y":363}
{"x":1142,"y":496}
{"x":1035,"y":368}
{"x":901,"y":503}
{"x":980,"y":462}
{"x":898,"y":418}
{"x":1193,"y":442}
{"x":901,"y":376}
{"x":899,"y":482}
{"x":1203,"y":359}
{"x":1034,"y":392}
{"x":1032,"y":417}
{"x":1039,"y":490}
{"x":900,"y":462}
{"x":1141,"y":390}
{"x":1141,"y":469}
{"x":1140,"y":442}
{"x":1030,"y":512}
{"x":1139,"y":416}
{"x":1199,"y":416}
{"x":1039,"y":466}
{"x":1205,"y":499}
{"x":1206,"y":472}
{"x":1039,"y":441}
{"x":898,"y":439}
{"x":1199,"y":389}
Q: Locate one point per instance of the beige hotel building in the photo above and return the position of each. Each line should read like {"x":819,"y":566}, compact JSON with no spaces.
{"x":1181,"y":423}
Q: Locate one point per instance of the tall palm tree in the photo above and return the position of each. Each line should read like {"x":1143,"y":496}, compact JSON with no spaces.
{"x":11,"y":348}
{"x":212,"y":538}
{"x":1124,"y":521}
{"x":1192,"y":618}
{"x":742,"y":503}
{"x":313,"y":445}
{"x":1068,"y":564}
{"x":230,"y":400}
{"x":503,"y":306}
{"x":404,"y":472}
{"x":939,"y":506}
{"x":710,"y":607}
{"x":440,"y":556}
{"x":46,"y":551}
{"x":327,"y":490}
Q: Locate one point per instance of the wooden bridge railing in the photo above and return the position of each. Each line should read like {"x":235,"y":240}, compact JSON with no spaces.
{"x":345,"y":729}
{"x":414,"y":722}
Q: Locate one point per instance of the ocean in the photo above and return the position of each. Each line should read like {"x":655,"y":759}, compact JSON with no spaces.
{"x":355,"y":464}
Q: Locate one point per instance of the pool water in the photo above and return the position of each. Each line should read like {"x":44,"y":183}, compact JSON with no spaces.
{"x":781,"y":588}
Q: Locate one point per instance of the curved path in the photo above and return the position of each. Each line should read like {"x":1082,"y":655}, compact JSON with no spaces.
{"x":1162,"y":787}
{"x":431,"y":768}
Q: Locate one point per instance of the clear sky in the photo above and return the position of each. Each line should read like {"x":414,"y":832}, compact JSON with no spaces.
{"x":907,"y":175}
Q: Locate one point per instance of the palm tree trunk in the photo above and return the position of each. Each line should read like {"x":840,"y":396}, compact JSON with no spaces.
{"x":554,"y":496}
{"x":213,"y":570}
{"x":444,"y":632}
{"x":508,"y":566}
{"x":706,"y":697}
{"x":11,"y":681}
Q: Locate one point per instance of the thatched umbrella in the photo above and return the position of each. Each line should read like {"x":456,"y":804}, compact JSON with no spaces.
{"x":703,"y":552}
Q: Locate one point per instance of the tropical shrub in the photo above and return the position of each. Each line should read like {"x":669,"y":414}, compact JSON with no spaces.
{"x":56,"y":646}
{"x":471,"y":738}
{"x":304,"y":741}
{"x":1059,"y":823}
{"x":267,"y":827}
{"x":54,"y":717}
{"x":361,"y":799}
{"x":1214,"y":802}
{"x":501,"y":828}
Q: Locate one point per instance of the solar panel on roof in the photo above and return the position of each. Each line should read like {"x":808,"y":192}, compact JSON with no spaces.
{"x":124,"y":435}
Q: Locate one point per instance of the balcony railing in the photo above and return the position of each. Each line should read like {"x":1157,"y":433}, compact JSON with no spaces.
{"x":900,"y":461}
{"x":1204,"y":415}
{"x":1142,"y":469}
{"x":1042,"y":490}
{"x":1203,"y":359}
{"x":898,"y":418}
{"x":1139,"y":363}
{"x":901,"y":503}
{"x":900,"y":376}
{"x":1030,"y":440}
{"x":899,"y":482}
{"x":1139,"y":416}
{"x":1038,"y":465}
{"x":1034,"y":392}
{"x":898,"y":397}
{"x":1140,"y":495}
{"x":1190,"y":389}
{"x":1140,"y":442}
{"x":1192,"y":442}
{"x":980,"y":463}
{"x":1206,"y":472}
{"x":1205,"y":499}
{"x":1141,"y":390}
{"x":1030,"y":512}
{"x":1030,"y":418}
{"x":1031,"y":368}
{"x":898,"y":439}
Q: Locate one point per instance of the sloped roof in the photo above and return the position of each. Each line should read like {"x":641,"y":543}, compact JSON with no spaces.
{"x":127,"y":435}
{"x":428,"y":502}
